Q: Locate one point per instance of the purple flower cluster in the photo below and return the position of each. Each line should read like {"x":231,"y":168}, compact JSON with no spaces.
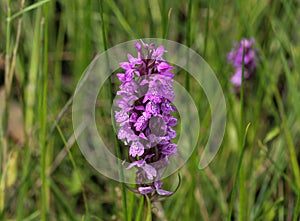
{"x":235,"y":57}
{"x":144,"y":115}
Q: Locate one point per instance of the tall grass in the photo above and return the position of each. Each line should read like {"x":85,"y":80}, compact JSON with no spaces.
{"x":110,"y":92}
{"x":47,"y":44}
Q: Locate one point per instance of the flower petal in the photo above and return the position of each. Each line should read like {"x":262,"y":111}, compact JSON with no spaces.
{"x":150,"y":171}
{"x":146,"y":190}
{"x":163,"y":192}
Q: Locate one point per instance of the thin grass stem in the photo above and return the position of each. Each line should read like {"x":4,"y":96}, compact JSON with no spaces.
{"x":74,"y":165}
{"x":43,"y":119}
{"x":118,"y":152}
{"x":242,"y":180}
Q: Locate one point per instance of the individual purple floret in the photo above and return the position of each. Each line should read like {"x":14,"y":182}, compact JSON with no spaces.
{"x":144,"y":115}
{"x":235,"y":57}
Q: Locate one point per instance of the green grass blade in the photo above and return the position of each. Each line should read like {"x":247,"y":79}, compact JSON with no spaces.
{"x":3,"y":176}
{"x":292,"y":85}
{"x":121,"y":18}
{"x":130,"y":196}
{"x":273,"y":206}
{"x":232,"y":197}
{"x":242,"y":180}
{"x":139,"y":214}
{"x":288,"y":139}
{"x":61,"y":199}
{"x":27,"y":9}
{"x":168,"y":24}
{"x":297,"y":208}
{"x":206,"y":28}
{"x":151,"y":22}
{"x":287,"y":179}
{"x":76,"y":171}
{"x":19,"y":189}
{"x":188,"y":40}
{"x":30,"y":106}
{"x":189,"y":24}
{"x":33,"y":216}
{"x":123,"y":190}
{"x":4,"y":113}
{"x":149,"y":212}
{"x":164,"y":18}
{"x":43,"y":121}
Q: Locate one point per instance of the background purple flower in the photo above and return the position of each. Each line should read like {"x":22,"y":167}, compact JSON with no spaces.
{"x":235,"y":57}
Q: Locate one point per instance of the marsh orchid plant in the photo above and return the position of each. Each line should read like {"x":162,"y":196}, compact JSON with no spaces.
{"x":144,"y":116}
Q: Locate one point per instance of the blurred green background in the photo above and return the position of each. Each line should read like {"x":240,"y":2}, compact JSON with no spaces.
{"x":45,"y":46}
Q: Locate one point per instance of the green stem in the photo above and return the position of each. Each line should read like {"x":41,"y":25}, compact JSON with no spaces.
{"x":297,"y":208}
{"x":242,"y":114}
{"x":163,"y":17}
{"x":168,"y":24}
{"x":27,"y":9}
{"x":150,"y":18}
{"x":121,"y":174}
{"x":30,"y":168}
{"x":240,"y":178}
{"x":62,"y":201}
{"x":242,"y":190}
{"x":232,"y":197}
{"x":76,"y":171}
{"x":30,"y":107}
{"x":105,"y":45}
{"x":206,"y":29}
{"x":139,"y":214}
{"x":24,"y":186}
{"x":188,"y":25}
{"x":3,"y":118}
{"x":188,"y":41}
{"x":289,"y":139}
{"x":43,"y":120}
{"x":149,"y":211}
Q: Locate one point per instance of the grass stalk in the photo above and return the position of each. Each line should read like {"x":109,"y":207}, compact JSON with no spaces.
{"x":74,"y":165}
{"x":149,"y":209}
{"x":150,"y":18}
{"x":9,"y":71}
{"x":288,"y":139}
{"x":166,"y":34}
{"x":24,"y":187}
{"x":32,"y":166}
{"x":188,"y":40}
{"x":206,"y":29}
{"x":43,"y":120}
{"x":297,"y":208}
{"x":242,"y":181}
{"x":189,"y":24}
{"x":164,"y":17}
{"x":285,"y":177}
{"x":12,"y":61}
{"x":240,"y":177}
{"x":139,"y":214}
{"x":27,"y":9}
{"x":121,"y":18}
{"x":62,"y":200}
{"x":3,"y":118}
{"x":30,"y":105}
{"x":121,"y":174}
{"x":237,"y":174}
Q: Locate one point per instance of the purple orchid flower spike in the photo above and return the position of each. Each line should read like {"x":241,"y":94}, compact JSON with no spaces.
{"x":144,"y":117}
{"x":235,"y":57}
